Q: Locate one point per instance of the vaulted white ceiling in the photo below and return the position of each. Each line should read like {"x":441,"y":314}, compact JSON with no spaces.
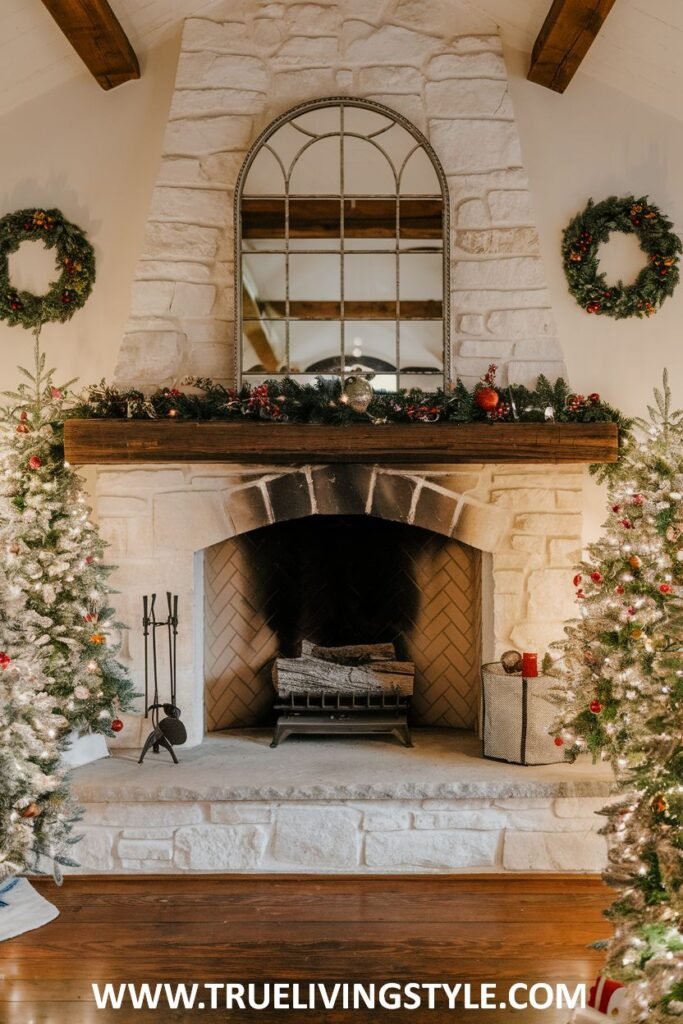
{"x":639,"y":50}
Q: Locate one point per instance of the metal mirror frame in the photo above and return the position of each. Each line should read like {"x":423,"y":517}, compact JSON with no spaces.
{"x":420,"y":138}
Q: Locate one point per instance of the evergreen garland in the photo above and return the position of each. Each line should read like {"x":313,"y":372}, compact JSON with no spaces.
{"x":75,"y":258}
{"x":591,"y":228}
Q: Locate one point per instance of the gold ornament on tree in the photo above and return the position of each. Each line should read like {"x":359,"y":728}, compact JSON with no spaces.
{"x":32,"y":811}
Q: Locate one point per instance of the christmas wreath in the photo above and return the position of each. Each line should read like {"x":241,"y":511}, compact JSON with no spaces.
{"x":75,"y":257}
{"x":587,"y":232}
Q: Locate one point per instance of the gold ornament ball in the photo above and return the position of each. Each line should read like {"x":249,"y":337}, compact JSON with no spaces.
{"x":358,"y":393}
{"x":32,"y":811}
{"x":511,"y":661}
{"x":635,"y":562}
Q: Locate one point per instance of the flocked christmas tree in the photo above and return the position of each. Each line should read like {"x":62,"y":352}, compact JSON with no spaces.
{"x":622,"y":663}
{"x":53,"y":582}
{"x":35,"y":811}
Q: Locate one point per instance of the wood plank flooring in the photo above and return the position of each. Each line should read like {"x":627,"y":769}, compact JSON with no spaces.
{"x":217,"y":929}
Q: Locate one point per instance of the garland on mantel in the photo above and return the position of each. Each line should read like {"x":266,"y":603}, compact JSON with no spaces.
{"x":285,"y":400}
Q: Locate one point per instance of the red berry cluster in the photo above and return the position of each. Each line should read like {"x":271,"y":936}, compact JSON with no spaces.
{"x":260,"y":400}
{"x":423,"y":413}
{"x":581,"y":247}
{"x":576,"y":403}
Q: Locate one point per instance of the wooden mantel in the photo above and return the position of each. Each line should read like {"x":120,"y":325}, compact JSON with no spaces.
{"x":154,"y":441}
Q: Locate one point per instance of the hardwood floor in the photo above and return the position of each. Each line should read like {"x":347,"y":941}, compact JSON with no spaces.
{"x":216,"y":929}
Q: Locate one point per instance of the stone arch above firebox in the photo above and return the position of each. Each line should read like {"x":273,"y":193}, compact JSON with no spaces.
{"x":434,"y":502}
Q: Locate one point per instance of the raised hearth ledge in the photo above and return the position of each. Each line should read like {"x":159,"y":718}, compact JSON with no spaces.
{"x":350,"y":805}
{"x":239,"y":765}
{"x":137,"y":441}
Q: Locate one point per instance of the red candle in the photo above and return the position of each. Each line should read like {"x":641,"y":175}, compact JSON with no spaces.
{"x":529,"y":665}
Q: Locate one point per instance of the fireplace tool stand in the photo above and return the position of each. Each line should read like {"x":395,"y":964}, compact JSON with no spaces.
{"x":169,"y":731}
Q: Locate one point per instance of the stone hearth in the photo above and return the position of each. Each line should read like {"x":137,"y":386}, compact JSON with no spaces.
{"x":350,"y":805}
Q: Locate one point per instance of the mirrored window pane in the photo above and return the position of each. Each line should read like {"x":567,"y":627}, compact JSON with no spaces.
{"x":316,"y":170}
{"x":264,"y":344}
{"x":367,"y":170}
{"x":371,"y":345}
{"x":421,"y":346}
{"x":264,"y":279}
{"x":314,"y":277}
{"x":370,"y":277}
{"x":421,"y":276}
{"x":419,"y":177}
{"x":314,"y":346}
{"x":424,"y":381}
{"x":265,"y":176}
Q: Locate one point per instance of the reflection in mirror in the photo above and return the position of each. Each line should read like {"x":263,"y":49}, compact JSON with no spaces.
{"x":342,"y":249}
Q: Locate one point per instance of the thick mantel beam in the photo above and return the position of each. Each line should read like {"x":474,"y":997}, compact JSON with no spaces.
{"x":132,"y":441}
{"x":564,"y":40}
{"x":97,"y":37}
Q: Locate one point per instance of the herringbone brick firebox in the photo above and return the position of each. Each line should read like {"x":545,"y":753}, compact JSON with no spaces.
{"x":341,"y":580}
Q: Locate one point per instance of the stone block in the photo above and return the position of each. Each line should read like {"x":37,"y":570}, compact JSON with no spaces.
{"x":151,"y":298}
{"x":480,"y":526}
{"x":389,"y":78}
{"x":162,"y":832}
{"x":94,"y":852}
{"x":543,"y":851}
{"x":300,"y":84}
{"x":411,"y":106}
{"x":432,"y":849}
{"x":466,"y":803}
{"x":514,"y":272}
{"x":564,"y":551}
{"x":470,"y":65}
{"x":206,"y":70}
{"x":306,"y":52}
{"x":471,"y":146}
{"x":570,"y":501}
{"x":312,"y":19}
{"x":549,"y":523}
{"x":155,"y":867}
{"x":387,"y":819}
{"x":486,"y":299}
{"x":551,"y":595}
{"x":529,"y":499}
{"x":211,"y":103}
{"x":189,"y":520}
{"x":266,"y":33}
{"x":511,"y":206}
{"x":471,"y":213}
{"x":222,"y":168}
{"x":521,"y":323}
{"x":344,"y":80}
{"x":190,"y":205}
{"x":478,"y":43}
{"x":240,"y":813}
{"x":317,"y":837}
{"x":202,"y":35}
{"x":220,"y":847}
{"x":217,"y":361}
{"x":392,"y":44}
{"x":173,"y":270}
{"x":122,"y":506}
{"x":247,"y":508}
{"x":582,"y":807}
{"x":470,"y":323}
{"x":290,"y":496}
{"x":435,"y":510}
{"x":468,"y":97}
{"x":498,"y":242}
{"x":198,"y":137}
{"x":535,"y":635}
{"x":341,"y":489}
{"x":190,"y":300}
{"x":528,"y":803}
{"x":185,"y":241}
{"x":508,"y":581}
{"x":145,"y":849}
{"x":145,"y":815}
{"x":488,"y":818}
{"x":537,"y":350}
{"x":485,"y":348}
{"x":392,"y":497}
{"x":179,"y":169}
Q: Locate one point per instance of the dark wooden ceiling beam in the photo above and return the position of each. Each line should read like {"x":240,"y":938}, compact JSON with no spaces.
{"x":564,"y":40}
{"x":96,"y":35}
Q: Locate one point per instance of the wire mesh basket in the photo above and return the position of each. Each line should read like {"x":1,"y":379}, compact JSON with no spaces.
{"x":517,"y":715}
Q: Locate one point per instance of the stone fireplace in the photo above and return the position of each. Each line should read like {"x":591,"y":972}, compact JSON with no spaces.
{"x":483,"y":551}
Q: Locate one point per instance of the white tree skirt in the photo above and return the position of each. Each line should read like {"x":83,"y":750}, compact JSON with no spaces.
{"x":22,"y":909}
{"x":84,"y":749}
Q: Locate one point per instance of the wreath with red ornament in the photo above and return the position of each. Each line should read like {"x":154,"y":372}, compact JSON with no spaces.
{"x":75,"y":260}
{"x":580,"y":252}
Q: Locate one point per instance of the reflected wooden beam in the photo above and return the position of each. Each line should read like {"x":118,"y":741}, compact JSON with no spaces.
{"x":354,"y":309}
{"x":257,"y":337}
{"x":96,"y":35}
{"x":363,"y":218}
{"x":564,"y":40}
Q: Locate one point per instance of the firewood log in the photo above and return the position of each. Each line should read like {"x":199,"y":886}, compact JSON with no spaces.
{"x":313,"y":675}
{"x":351,"y":654}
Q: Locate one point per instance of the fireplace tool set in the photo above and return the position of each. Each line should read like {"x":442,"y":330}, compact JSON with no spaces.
{"x":167,"y":732}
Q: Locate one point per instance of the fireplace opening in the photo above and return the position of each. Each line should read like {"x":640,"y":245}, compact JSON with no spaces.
{"x":341,"y":580}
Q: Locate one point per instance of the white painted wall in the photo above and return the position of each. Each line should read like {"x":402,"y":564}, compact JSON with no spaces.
{"x":95,"y":155}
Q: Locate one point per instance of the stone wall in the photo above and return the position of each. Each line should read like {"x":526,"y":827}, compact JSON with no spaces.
{"x":247,"y":61}
{"x":536,"y":834}
{"x":156,"y":520}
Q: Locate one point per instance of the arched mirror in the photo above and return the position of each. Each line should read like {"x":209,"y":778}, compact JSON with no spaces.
{"x":342,"y":249}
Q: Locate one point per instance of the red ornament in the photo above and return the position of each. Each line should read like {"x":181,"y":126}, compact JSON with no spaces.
{"x":595,"y":706}
{"x":593,"y":307}
{"x":619,"y":589}
{"x":595,"y":397}
{"x":665,"y":588}
{"x":577,"y":579}
{"x":89,"y":560}
{"x":55,"y":392}
{"x":580,"y":594}
{"x":616,"y":509}
{"x":558,"y":741}
{"x":22,"y":428}
{"x":5,"y":659}
{"x":35,"y":462}
{"x":90,"y":617}
{"x":597,"y":577}
{"x":23,"y":415}
{"x":487,"y":399}
{"x":637,"y":499}
{"x":117,"y":725}
{"x":626,"y":523}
